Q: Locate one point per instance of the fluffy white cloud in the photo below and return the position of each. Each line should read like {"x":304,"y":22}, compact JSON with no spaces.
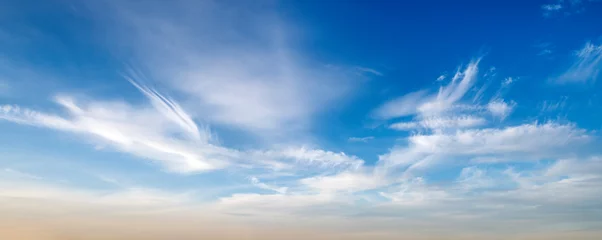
{"x":500,"y":108}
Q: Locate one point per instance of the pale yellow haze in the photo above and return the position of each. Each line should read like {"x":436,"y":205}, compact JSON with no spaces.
{"x":63,"y":222}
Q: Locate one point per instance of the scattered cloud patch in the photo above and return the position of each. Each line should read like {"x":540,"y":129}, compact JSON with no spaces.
{"x":544,"y":49}
{"x":565,"y":7}
{"x":549,"y":9}
{"x":500,"y":108}
{"x":441,"y":123}
{"x":360,"y":139}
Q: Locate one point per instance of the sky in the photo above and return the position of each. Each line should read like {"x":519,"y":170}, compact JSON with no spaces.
{"x":300,"y":119}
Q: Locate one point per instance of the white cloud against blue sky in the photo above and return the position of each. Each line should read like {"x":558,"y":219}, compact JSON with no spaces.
{"x":355,"y":120}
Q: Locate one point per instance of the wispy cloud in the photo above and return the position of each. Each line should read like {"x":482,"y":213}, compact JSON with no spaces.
{"x":402,"y":106}
{"x":255,"y":181}
{"x":360,"y":139}
{"x":12,"y":173}
{"x":516,"y":143}
{"x":585,"y":67}
{"x":369,"y":70}
{"x":549,"y":9}
{"x":462,"y":156}
{"x":441,"y":123}
{"x":423,"y":103}
{"x":258,"y":83}
{"x":345,"y":182}
{"x":552,"y":106}
{"x":565,"y":7}
{"x":305,"y":156}
{"x":139,"y":130}
{"x":544,"y":48}
{"x":448,"y":110}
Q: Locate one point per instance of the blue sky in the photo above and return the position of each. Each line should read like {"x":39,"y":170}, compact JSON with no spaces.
{"x":460,"y":117}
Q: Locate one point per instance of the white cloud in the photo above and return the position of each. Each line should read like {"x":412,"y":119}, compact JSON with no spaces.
{"x":566,"y":8}
{"x":166,"y":134}
{"x":170,"y":109}
{"x":142,"y":131}
{"x":551,"y":7}
{"x":345,"y":182}
{"x":528,"y":138}
{"x":586,"y":66}
{"x":453,"y":92}
{"x":473,"y":178}
{"x":420,"y":102}
{"x":576,"y":167}
{"x":515,"y":143}
{"x":509,"y":80}
{"x":248,"y":77}
{"x":441,"y":123}
{"x":402,"y":106}
{"x":500,"y":109}
{"x":255,"y":181}
{"x":235,"y":67}
{"x":309,"y":157}
{"x":415,"y":192}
